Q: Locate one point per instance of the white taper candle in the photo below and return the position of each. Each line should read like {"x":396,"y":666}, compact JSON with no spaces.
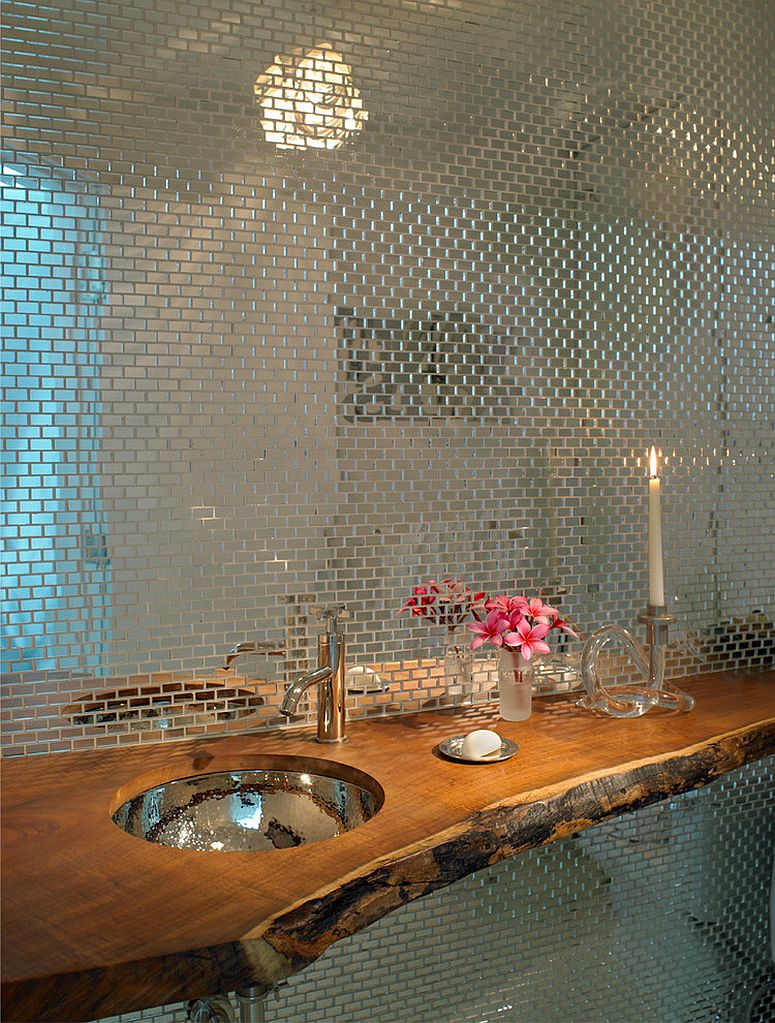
{"x":656,"y":577}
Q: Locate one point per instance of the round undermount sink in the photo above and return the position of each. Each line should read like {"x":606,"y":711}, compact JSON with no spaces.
{"x":253,"y":810}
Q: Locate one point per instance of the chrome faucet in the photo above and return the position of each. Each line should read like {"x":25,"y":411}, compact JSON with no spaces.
{"x":329,"y":677}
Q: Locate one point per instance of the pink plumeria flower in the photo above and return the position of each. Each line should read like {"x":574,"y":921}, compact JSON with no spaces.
{"x":558,"y":623}
{"x":503,"y":603}
{"x":514,"y":618}
{"x":529,"y":639}
{"x":536,"y":609}
{"x":491,"y":630}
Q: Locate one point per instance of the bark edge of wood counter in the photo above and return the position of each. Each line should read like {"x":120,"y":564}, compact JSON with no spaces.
{"x":503,"y":831}
{"x":577,"y":771}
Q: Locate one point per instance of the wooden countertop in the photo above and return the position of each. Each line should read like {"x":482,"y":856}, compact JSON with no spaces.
{"x":96,"y":922}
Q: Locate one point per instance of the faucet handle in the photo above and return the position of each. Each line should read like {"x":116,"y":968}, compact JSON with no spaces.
{"x":332,"y":614}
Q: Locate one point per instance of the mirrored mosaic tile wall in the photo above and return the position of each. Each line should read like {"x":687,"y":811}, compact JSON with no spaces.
{"x":305,"y":302}
{"x":623,"y":922}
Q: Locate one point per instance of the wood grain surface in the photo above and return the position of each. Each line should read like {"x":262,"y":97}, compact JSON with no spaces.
{"x":96,"y":922}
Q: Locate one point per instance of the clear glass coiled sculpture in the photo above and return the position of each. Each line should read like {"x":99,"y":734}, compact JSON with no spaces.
{"x":632,"y":700}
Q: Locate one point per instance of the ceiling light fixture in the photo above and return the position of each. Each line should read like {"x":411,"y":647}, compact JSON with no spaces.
{"x":308,"y":100}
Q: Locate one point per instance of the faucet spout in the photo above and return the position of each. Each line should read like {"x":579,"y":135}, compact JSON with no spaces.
{"x":294,"y":691}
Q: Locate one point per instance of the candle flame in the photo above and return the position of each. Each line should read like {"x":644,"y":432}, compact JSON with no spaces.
{"x":653,"y":463}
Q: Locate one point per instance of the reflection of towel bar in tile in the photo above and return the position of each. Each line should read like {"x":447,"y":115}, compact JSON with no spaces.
{"x":267,"y":648}
{"x":362,"y":679}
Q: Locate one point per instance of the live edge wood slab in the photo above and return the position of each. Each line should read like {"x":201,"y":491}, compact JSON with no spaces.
{"x":96,"y":922}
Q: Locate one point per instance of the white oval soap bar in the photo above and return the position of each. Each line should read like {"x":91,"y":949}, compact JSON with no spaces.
{"x":480,"y":743}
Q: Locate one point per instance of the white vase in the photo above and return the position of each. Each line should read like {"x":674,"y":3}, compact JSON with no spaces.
{"x":515,"y":685}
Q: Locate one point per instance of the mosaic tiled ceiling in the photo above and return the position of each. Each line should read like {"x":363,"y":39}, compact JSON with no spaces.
{"x":244,"y":377}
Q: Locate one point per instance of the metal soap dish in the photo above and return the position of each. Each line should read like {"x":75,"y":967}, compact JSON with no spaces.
{"x":453,"y":748}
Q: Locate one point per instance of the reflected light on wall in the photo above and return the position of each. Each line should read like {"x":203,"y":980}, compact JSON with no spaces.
{"x":308,"y":100}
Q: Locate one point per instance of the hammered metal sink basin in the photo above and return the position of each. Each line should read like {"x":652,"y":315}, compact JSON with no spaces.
{"x":255,"y":809}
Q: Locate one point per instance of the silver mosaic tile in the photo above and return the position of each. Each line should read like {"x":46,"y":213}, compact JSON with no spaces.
{"x":508,"y":248}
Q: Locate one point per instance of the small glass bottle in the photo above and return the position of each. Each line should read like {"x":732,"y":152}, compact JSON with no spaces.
{"x":458,"y":665}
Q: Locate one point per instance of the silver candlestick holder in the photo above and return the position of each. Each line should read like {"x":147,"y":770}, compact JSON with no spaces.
{"x":630,"y":700}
